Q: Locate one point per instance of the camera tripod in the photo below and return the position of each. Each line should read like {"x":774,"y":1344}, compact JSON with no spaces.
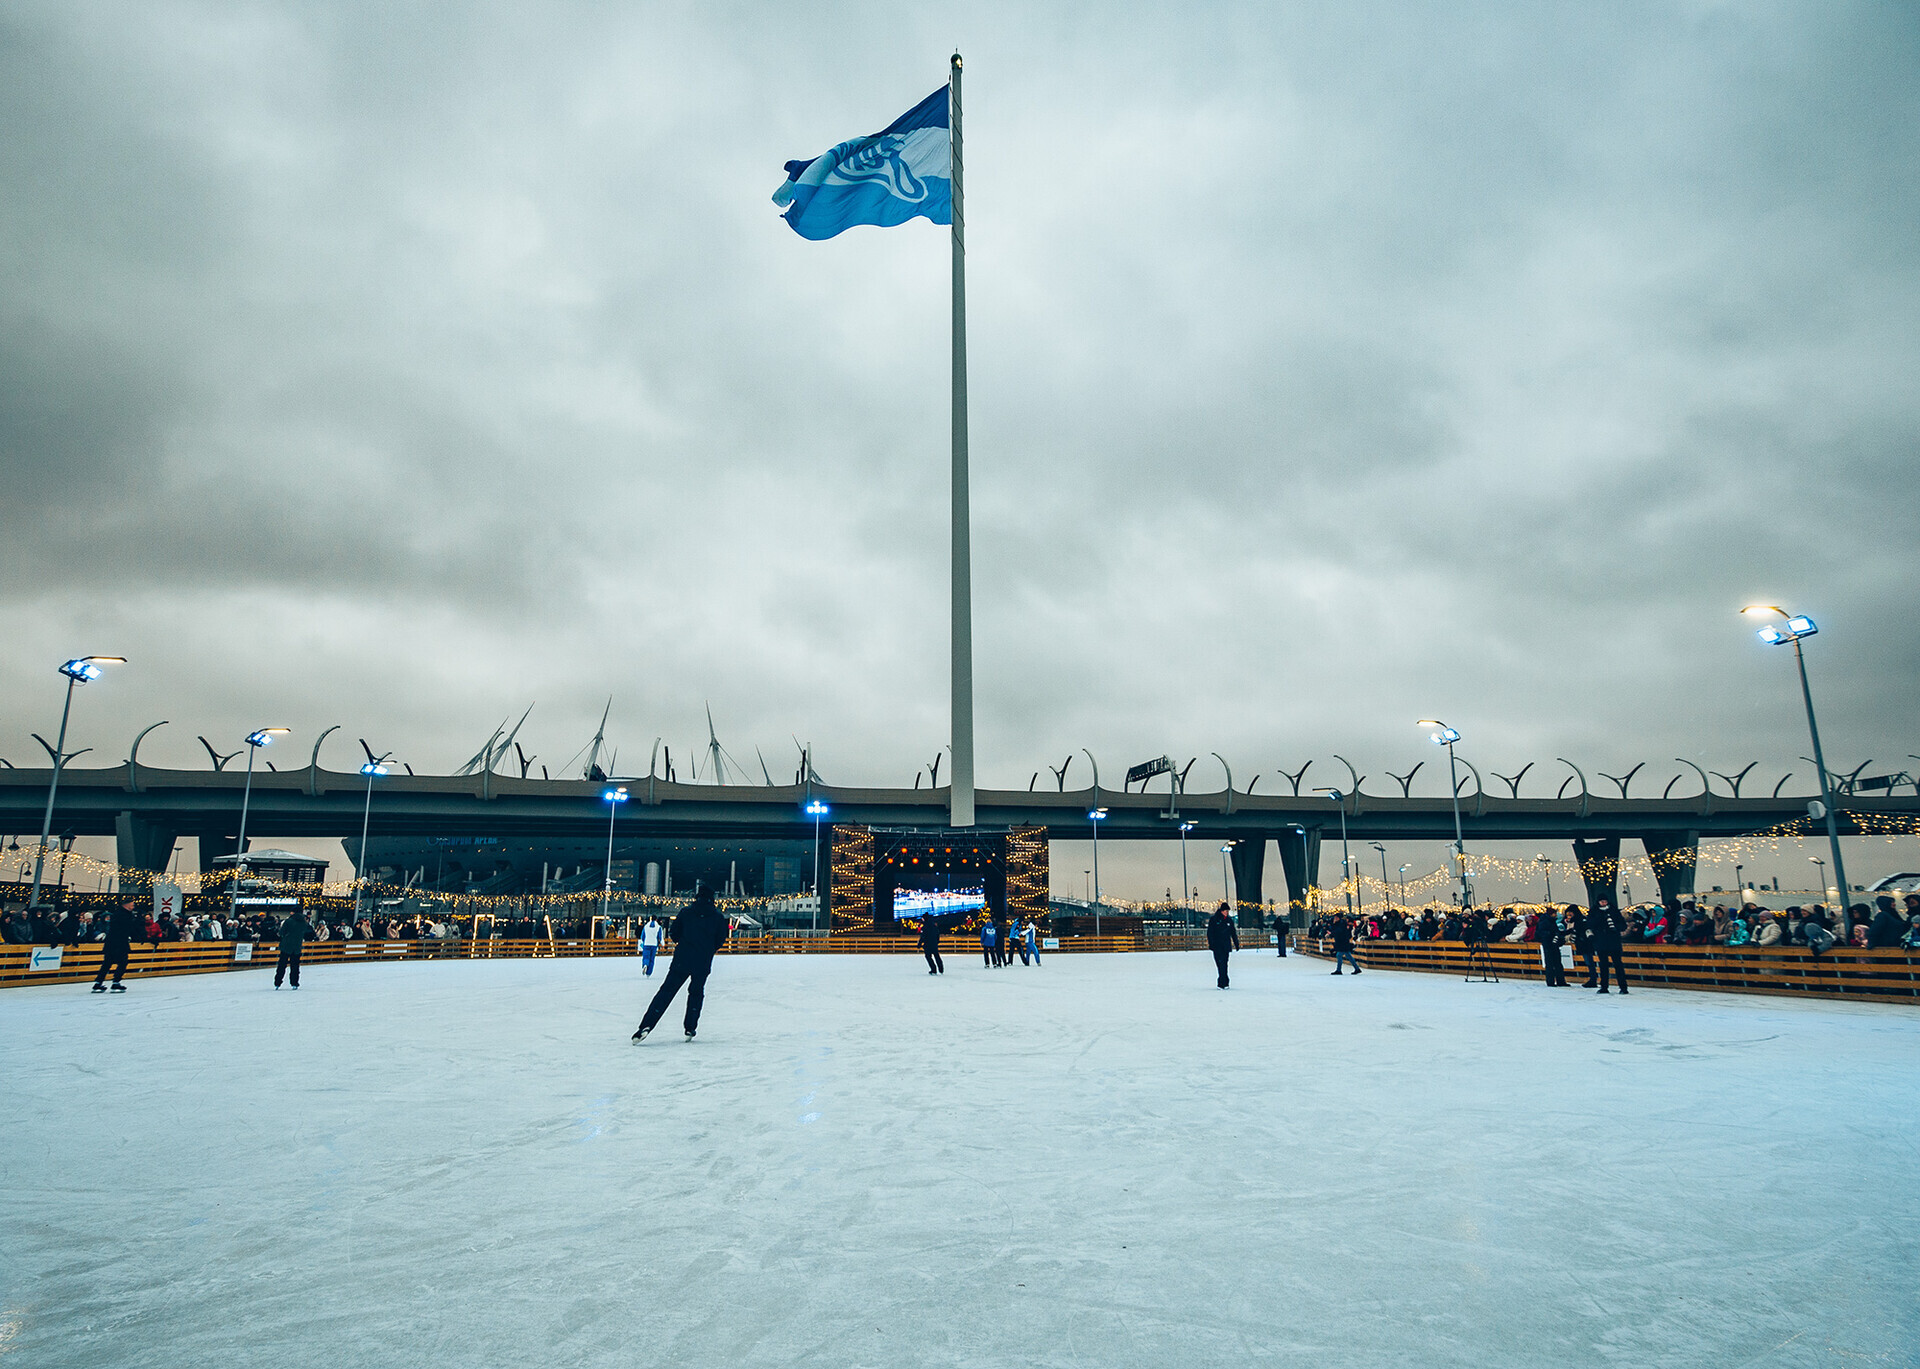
{"x":1479,"y":964}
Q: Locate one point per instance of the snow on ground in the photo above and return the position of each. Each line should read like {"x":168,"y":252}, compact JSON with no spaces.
{"x":1103,"y":1161}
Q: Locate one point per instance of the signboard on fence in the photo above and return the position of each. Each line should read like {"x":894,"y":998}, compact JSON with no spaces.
{"x":44,"y":958}
{"x":167,"y":901}
{"x":242,"y":952}
{"x":1049,"y":943}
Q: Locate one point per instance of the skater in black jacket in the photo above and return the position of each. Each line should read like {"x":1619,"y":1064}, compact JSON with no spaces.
{"x":698,"y":933}
{"x":1604,"y":927}
{"x":1546,"y":931}
{"x":930,"y":944}
{"x":122,"y":927}
{"x":293,"y":939}
{"x":1343,"y":945}
{"x":1223,"y":939}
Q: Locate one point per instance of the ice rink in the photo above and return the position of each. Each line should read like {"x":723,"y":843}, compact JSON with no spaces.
{"x":1102,"y":1161}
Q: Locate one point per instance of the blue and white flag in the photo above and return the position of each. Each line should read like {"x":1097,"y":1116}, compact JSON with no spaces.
{"x":903,"y":172}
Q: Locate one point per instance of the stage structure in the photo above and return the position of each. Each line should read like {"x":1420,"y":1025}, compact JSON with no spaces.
{"x":882,"y":881}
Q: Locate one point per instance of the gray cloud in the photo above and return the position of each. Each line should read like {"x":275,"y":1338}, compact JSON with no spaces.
{"x":396,"y":368}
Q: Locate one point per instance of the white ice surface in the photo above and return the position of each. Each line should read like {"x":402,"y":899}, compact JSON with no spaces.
{"x":1100,"y":1162}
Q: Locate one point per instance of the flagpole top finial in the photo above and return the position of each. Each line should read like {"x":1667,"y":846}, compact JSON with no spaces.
{"x":955,"y":59}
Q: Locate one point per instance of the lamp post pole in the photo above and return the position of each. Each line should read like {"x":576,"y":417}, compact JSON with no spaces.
{"x":1403,"y":886}
{"x":1799,"y":626}
{"x":1185,"y":884}
{"x":1346,"y":867}
{"x":614,"y":798}
{"x":1096,"y":817}
{"x":1446,"y":737}
{"x":818,"y":811}
{"x":370,"y":769}
{"x":1546,"y":868}
{"x":1226,"y":879}
{"x":1386,"y":889}
{"x":77,"y":671}
{"x":256,"y":739}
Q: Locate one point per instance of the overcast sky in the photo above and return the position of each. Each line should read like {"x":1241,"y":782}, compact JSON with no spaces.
{"x":400,"y":367}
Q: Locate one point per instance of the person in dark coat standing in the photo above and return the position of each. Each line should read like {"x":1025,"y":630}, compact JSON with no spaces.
{"x":293,"y":939}
{"x":698,"y":934}
{"x":1604,"y":928}
{"x":1546,"y":931}
{"x":930,"y":944}
{"x":1582,"y":943}
{"x":1343,"y":944}
{"x":1887,"y":926}
{"x":122,"y":927}
{"x":1223,"y":939}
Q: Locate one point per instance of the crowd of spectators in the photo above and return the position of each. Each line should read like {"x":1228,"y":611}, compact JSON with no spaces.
{"x":1682,"y":923}
{"x":48,"y":926}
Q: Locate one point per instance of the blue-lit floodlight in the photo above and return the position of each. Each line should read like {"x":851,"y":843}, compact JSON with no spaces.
{"x":817,"y":810}
{"x":370,"y":769}
{"x":264,"y":736}
{"x":87,"y":668}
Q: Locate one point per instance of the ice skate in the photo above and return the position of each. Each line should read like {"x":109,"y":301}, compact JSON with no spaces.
{"x":122,"y":988}
{"x":640,"y":1034}
{"x":99,"y":988}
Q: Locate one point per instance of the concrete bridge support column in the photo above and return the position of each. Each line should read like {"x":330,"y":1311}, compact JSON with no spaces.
{"x":216,"y":844}
{"x":141,"y":844}
{"x":1599,"y":862}
{"x":1249,"y":859}
{"x":1300,"y":861}
{"x":1674,"y":859}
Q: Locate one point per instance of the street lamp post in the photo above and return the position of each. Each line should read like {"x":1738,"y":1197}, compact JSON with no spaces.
{"x":1796,"y":626}
{"x":374,"y":766}
{"x":1403,"y":886}
{"x":255,"y":740}
{"x":1096,"y":816}
{"x":78,"y":672}
{"x":1346,"y":877}
{"x":1546,"y":868}
{"x":1186,"y":885}
{"x":613,"y":799}
{"x":1739,"y":887}
{"x":1386,"y":889}
{"x":1446,"y":737}
{"x":816,"y":810}
{"x":1226,"y":877}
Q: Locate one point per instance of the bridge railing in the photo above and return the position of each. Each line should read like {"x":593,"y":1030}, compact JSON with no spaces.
{"x":1885,"y":975}
{"x":77,"y":963}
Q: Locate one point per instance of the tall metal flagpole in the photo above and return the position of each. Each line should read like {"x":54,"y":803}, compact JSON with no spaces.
{"x":961,"y":800}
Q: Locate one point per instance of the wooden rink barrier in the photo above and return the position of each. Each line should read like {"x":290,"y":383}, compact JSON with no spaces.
{"x":1885,"y":976}
{"x":81,"y":963}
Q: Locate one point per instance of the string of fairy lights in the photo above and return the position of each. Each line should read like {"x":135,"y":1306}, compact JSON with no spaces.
{"x":1423,"y":890}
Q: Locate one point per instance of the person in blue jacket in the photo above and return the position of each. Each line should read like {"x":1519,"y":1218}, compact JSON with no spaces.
{"x":986,"y":942}
{"x":1031,"y":936}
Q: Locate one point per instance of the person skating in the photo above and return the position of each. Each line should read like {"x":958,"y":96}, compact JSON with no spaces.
{"x":698,"y":934}
{"x":1546,"y":931}
{"x":930,"y":944}
{"x":1582,"y":942}
{"x":1343,"y":945}
{"x":1031,"y":937}
{"x":986,"y":944}
{"x":1223,"y":939}
{"x":1604,"y":929}
{"x":649,"y":944}
{"x":122,"y":927}
{"x":293,"y":939}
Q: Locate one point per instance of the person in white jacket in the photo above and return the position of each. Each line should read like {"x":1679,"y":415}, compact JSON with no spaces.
{"x":649,"y":945}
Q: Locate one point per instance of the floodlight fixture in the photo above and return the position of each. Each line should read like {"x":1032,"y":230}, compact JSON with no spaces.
{"x":264,"y":736}
{"x":85,"y":668}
